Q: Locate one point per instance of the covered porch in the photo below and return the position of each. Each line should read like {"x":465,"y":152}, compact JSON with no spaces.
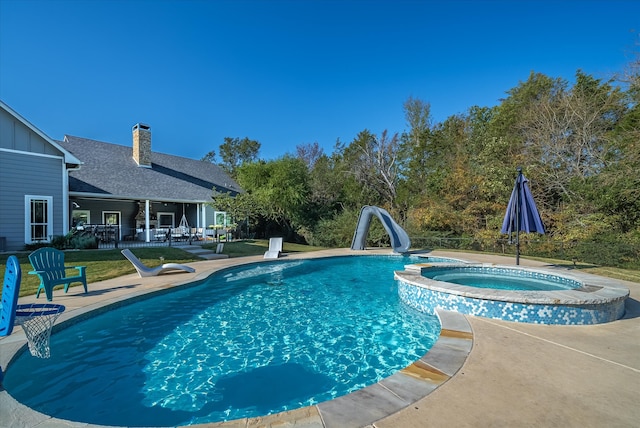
{"x":113,"y":221}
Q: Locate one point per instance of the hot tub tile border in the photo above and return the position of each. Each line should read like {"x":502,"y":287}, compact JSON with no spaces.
{"x":591,"y":303}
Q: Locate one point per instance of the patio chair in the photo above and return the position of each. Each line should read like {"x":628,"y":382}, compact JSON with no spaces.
{"x":48,"y":264}
{"x":275,"y":248}
{"x":10,"y":291}
{"x":145,"y":271}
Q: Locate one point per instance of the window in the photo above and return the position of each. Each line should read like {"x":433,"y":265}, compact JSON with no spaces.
{"x":220,"y":218}
{"x":38,"y":218}
{"x":80,"y":218}
{"x":111,"y":218}
{"x":112,"y":221}
{"x":166,"y":220}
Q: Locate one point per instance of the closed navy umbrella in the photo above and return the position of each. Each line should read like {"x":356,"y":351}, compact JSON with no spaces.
{"x":522,"y":214}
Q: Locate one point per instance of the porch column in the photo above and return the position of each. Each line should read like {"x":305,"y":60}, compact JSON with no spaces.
{"x":146,"y":221}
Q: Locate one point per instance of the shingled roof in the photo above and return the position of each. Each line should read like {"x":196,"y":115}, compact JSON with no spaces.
{"x":109,"y":171}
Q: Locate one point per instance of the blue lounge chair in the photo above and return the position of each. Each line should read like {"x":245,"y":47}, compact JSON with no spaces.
{"x":10,"y":291}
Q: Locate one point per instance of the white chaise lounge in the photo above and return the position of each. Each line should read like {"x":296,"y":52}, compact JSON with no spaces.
{"x":144,"y":270}
{"x":275,"y":248}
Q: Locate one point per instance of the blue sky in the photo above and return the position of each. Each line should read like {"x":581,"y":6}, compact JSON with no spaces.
{"x":287,"y":73}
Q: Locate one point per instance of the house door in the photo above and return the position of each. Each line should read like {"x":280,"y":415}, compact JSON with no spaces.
{"x":38,"y":218}
{"x":112,"y":221}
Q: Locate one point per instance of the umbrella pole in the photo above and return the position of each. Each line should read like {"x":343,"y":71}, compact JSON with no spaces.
{"x":518,"y":188}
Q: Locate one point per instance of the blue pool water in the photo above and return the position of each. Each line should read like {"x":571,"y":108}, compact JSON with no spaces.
{"x":246,"y":342}
{"x":499,"y":278}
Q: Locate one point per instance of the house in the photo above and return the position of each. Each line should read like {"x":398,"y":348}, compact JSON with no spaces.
{"x":142,"y":192}
{"x":121,"y":192}
{"x":34,"y":183}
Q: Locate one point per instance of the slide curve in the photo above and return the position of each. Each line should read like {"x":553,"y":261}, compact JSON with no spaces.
{"x":399,"y":239}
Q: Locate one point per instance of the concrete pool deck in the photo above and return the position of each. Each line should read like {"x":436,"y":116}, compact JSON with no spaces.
{"x":516,"y":374}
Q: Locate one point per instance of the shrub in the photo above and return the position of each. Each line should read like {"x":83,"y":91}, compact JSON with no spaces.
{"x":60,"y":242}
{"x":82,"y":242}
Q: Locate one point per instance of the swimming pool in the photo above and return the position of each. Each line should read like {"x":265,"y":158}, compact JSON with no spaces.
{"x":245,"y":342}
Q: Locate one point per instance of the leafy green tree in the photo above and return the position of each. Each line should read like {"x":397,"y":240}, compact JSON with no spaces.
{"x":209,"y":157}
{"x":280,"y":188}
{"x":236,"y":152}
{"x":492,"y":155}
{"x":616,"y":190}
{"x":509,"y":114}
{"x":509,"y":122}
{"x":243,"y":208}
{"x":413,"y":153}
{"x":337,"y":232}
{"x":326,"y":188}
{"x":569,"y":136}
{"x":417,"y":113}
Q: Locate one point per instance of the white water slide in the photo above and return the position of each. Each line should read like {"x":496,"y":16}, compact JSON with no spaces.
{"x":399,"y":239}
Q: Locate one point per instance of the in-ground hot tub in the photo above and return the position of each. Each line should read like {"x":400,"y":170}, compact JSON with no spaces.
{"x":509,"y":293}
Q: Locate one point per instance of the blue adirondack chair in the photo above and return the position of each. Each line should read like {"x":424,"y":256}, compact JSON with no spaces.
{"x":10,"y":291}
{"x":48,"y":264}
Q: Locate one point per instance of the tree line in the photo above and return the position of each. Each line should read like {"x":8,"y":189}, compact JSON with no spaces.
{"x":577,"y":142}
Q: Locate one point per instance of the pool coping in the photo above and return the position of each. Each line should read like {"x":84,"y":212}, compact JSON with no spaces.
{"x":359,"y":408}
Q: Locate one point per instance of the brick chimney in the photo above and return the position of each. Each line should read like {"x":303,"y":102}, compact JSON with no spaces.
{"x":142,"y":145}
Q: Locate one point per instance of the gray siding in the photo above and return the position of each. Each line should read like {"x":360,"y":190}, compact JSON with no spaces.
{"x":14,"y":135}
{"x":27,"y":174}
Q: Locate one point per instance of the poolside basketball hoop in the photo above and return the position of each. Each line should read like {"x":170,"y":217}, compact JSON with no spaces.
{"x":37,"y":321}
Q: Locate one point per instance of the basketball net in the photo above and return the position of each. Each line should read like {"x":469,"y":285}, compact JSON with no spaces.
{"x":37,"y":321}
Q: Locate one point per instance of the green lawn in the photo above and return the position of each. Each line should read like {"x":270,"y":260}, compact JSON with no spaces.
{"x":107,"y":264}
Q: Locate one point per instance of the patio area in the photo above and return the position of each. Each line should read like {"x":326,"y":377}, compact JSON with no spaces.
{"x":516,"y":374}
